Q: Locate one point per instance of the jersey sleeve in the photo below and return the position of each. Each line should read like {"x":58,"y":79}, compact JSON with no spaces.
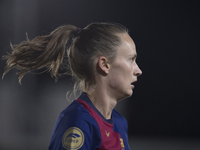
{"x":76,"y":130}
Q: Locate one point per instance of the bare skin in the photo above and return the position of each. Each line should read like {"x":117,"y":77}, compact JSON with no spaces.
{"x":115,"y":80}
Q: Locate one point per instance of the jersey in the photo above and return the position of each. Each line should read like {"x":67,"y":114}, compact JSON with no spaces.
{"x":82,"y":127}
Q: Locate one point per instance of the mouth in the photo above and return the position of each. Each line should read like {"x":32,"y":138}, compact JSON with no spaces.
{"x":132,"y":84}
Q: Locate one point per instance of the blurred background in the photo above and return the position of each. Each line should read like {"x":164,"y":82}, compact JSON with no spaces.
{"x":164,"y":111}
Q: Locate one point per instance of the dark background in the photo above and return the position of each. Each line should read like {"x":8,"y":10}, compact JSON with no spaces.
{"x":166,"y":98}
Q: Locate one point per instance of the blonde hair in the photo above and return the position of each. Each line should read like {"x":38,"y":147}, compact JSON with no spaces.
{"x":49,"y":51}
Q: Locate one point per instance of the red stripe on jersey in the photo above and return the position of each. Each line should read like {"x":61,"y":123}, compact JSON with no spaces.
{"x":110,"y":140}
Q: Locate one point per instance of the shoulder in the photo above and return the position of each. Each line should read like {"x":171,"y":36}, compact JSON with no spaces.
{"x":75,"y":122}
{"x":74,"y":115}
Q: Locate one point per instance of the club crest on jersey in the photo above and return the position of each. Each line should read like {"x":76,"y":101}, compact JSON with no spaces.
{"x":73,"y":138}
{"x":122,"y":143}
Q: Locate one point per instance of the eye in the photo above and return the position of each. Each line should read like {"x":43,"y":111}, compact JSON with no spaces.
{"x":133,"y":59}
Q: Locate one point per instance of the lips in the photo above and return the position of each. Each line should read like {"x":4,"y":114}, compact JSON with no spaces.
{"x":132,"y":86}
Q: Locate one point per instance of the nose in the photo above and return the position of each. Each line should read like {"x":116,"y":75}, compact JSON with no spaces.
{"x":137,"y":71}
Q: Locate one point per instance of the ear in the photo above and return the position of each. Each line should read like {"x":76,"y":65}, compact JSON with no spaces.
{"x":103,"y":64}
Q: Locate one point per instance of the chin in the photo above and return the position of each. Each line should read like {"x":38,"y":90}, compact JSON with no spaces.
{"x":128,"y":94}
{"x":124,"y":94}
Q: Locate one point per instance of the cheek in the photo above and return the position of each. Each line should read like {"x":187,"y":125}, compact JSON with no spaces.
{"x":121,"y":71}
{"x":121,"y":74}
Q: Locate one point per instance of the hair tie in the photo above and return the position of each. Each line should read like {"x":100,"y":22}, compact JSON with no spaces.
{"x":73,"y":35}
{"x":77,"y":32}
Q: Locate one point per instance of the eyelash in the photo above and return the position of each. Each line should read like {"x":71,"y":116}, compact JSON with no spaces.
{"x":133,"y":59}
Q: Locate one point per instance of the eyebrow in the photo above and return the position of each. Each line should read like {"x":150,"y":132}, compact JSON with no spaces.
{"x":132,"y":55}
{"x":135,"y":56}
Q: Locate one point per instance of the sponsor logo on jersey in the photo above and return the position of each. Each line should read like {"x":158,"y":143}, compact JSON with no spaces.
{"x":73,"y":138}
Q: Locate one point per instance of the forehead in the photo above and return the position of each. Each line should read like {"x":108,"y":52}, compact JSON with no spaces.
{"x":127,"y":46}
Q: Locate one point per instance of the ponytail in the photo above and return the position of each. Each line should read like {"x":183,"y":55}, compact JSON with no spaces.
{"x":42,"y":52}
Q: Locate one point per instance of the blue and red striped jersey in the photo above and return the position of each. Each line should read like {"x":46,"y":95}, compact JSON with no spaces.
{"x":82,"y":127}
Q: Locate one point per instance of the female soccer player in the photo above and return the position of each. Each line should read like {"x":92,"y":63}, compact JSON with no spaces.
{"x":102,"y":59}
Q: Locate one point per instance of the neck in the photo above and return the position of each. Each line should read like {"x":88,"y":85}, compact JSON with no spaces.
{"x":102,"y":101}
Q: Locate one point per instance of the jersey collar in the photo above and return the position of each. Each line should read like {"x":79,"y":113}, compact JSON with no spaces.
{"x":85,"y":98}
